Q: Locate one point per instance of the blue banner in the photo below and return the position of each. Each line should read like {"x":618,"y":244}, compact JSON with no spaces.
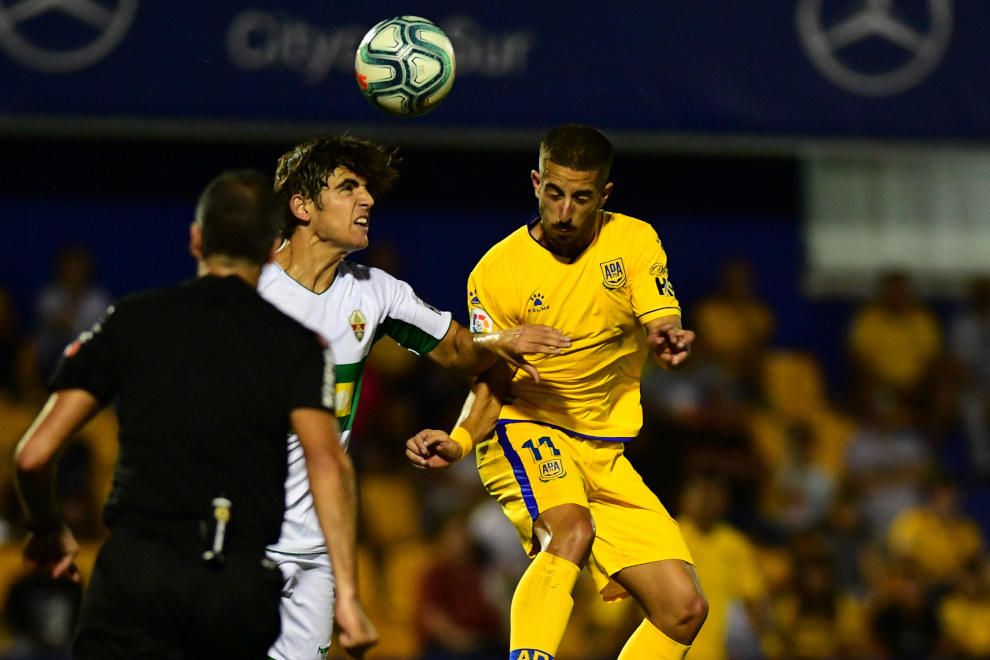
{"x":823,"y":68}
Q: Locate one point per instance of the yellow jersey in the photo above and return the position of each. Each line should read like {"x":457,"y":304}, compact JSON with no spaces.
{"x":600,"y":300}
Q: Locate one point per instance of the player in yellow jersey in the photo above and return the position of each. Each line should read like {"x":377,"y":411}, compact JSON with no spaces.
{"x":555,"y":461}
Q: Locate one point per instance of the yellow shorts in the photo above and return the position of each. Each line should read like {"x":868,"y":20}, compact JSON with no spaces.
{"x":530,"y":467}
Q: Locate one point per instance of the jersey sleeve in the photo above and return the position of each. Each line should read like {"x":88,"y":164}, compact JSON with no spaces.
{"x":311,"y":381}
{"x":485,"y":304}
{"x":412,"y":323}
{"x":652,"y":292}
{"x":90,"y":362}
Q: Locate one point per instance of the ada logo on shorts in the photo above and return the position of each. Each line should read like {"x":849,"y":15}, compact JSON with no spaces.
{"x":552,"y":468}
{"x":529,"y":654}
{"x":613,"y":273}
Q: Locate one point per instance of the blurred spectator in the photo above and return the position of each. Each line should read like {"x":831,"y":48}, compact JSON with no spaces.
{"x":734,"y":325}
{"x":965,"y":614}
{"x":887,"y":463}
{"x":848,"y":536}
{"x":726,"y":565}
{"x":698,"y":415}
{"x":68,"y":306}
{"x":894,"y":341}
{"x":456,"y":617}
{"x":816,"y":619}
{"x":904,"y":622}
{"x":969,"y":341}
{"x":11,"y":346}
{"x":800,"y":492}
{"x":41,"y":615}
{"x":937,"y":536}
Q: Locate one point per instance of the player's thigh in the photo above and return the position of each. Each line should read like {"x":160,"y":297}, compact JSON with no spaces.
{"x":305,"y":608}
{"x":632,"y":525}
{"x":665,"y":589}
{"x":529,"y":469}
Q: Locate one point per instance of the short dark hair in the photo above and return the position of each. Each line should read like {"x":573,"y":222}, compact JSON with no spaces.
{"x":239,"y":215}
{"x":579,"y":147}
{"x":304,"y":169}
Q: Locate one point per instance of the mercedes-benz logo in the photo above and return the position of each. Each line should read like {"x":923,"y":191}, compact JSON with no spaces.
{"x":104,"y":23}
{"x":918,"y":49}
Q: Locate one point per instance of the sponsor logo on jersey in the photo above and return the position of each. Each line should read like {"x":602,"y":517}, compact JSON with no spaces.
{"x":537,"y":302}
{"x":481,"y":321}
{"x":323,"y":650}
{"x":552,"y":468}
{"x":662,"y":278}
{"x":343,"y":397}
{"x":473,"y":298}
{"x":613,"y":273}
{"x":358,"y":322}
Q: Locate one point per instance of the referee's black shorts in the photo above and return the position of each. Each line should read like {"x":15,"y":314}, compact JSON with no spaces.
{"x":152,"y":597}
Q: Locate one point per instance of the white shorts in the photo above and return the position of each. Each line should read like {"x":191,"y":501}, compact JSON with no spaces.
{"x":306,"y":608}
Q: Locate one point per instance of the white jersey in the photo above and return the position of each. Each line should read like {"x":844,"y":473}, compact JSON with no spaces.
{"x":362,"y":305}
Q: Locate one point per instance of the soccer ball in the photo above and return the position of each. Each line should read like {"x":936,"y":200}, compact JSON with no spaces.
{"x":405,"y":65}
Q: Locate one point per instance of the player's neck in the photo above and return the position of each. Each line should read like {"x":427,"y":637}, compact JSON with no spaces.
{"x":311,"y":263}
{"x":223,"y":267}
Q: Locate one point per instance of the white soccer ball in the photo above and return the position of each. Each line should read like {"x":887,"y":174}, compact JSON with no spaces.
{"x":405,"y":65}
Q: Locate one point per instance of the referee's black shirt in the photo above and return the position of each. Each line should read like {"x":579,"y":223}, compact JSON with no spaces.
{"x":206,"y":375}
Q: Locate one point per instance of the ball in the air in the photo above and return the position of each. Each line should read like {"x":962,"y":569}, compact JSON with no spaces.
{"x":405,"y":65}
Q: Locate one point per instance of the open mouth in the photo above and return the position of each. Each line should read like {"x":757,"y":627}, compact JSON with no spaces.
{"x":362,"y":222}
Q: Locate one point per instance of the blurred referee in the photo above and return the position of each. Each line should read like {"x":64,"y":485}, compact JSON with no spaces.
{"x":208,"y":378}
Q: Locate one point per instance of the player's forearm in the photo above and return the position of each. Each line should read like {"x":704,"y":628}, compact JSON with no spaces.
{"x":34,"y":458}
{"x":335,"y":500}
{"x":481,"y":410}
{"x":459,"y":350}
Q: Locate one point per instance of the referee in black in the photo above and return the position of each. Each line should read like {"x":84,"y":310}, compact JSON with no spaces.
{"x":208,"y":378}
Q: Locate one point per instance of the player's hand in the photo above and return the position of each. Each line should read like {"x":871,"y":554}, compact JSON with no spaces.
{"x":355,"y":630}
{"x":432,"y":449}
{"x":513,"y":343}
{"x":53,"y":553}
{"x":670,"y":344}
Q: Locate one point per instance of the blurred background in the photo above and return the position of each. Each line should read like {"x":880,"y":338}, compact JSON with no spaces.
{"x":816,"y":170}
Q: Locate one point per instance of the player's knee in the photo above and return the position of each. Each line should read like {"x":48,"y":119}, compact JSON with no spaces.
{"x":571,"y":535}
{"x":691,"y":614}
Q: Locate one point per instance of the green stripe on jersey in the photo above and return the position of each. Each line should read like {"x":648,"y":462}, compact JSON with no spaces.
{"x":408,"y":336}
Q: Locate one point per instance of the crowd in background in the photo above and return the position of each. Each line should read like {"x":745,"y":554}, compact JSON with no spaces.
{"x":843,"y":519}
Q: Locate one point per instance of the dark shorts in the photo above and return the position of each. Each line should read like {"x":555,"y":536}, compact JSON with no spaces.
{"x":152,"y":597}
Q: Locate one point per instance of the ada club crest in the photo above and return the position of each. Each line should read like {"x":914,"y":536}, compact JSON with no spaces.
{"x":552,"y":468}
{"x":357,"y":321}
{"x":613,"y":273}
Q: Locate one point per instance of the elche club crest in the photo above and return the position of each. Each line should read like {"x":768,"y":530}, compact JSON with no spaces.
{"x":358,"y":322}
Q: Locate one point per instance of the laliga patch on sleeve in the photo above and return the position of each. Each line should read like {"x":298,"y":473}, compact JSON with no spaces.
{"x":481,"y":322}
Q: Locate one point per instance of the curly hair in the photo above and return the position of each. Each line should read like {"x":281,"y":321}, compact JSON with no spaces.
{"x":304,"y":170}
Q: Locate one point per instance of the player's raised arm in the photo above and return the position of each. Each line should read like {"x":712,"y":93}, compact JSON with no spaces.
{"x":331,"y":480}
{"x":431,"y":448}
{"x":475,"y":353}
{"x":669,"y":342}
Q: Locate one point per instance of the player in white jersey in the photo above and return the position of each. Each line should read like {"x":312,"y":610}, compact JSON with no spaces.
{"x":328,"y":187}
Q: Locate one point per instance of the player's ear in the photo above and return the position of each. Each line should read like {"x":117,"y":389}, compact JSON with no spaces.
{"x":535,"y":177}
{"x":299,"y":207}
{"x":606,"y":191}
{"x":196,"y":241}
